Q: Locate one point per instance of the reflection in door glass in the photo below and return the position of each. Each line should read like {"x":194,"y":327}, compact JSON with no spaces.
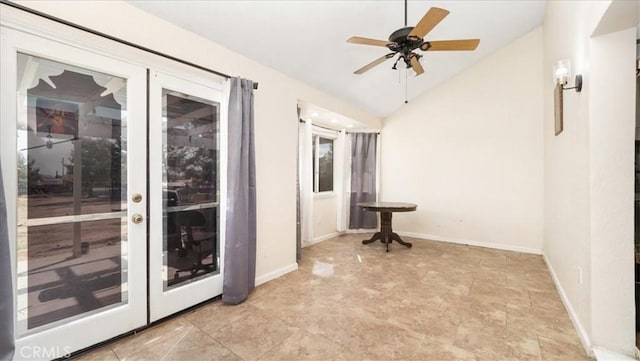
{"x":61,"y":286}
{"x":190,"y":167}
{"x":71,"y":181}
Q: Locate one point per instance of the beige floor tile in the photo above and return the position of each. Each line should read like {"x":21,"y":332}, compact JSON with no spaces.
{"x":539,"y":281}
{"x":497,"y":343}
{"x":489,"y":287}
{"x":156,"y":353}
{"x":197,"y":345}
{"x":478,"y":310}
{"x":253,"y":335}
{"x":369,"y":338}
{"x":158,"y":339}
{"x":432,"y":349}
{"x":348,"y":301}
{"x":481,"y":341}
{"x":553,"y":350}
{"x":423,"y":319}
{"x":518,"y":297}
{"x":215,"y":316}
{"x":533,"y":322}
{"x":302,"y":345}
{"x":522,"y":347}
{"x":448,"y":282}
{"x":547,"y":301}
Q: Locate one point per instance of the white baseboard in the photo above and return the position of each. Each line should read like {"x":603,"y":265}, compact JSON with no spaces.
{"x":504,"y":247}
{"x":275,"y":274}
{"x":602,"y":354}
{"x":582,"y":333}
{"x":361,"y":230}
{"x":322,"y":238}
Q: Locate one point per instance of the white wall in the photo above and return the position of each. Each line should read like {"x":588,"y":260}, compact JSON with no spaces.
{"x":566,"y":159}
{"x":469,"y":153}
{"x":612,"y":150}
{"x":588,"y":174}
{"x":276,"y":123}
{"x":325,"y":209}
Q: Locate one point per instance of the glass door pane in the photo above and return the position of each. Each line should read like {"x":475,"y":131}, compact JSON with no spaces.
{"x":71,"y":223}
{"x":190,"y":209}
{"x":72,"y":229}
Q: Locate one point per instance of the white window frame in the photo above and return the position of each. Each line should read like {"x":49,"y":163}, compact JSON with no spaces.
{"x":315,"y":138}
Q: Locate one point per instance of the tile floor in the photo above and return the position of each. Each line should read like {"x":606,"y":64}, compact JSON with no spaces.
{"x":348,"y":301}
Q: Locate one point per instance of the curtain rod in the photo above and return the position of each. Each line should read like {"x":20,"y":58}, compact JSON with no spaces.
{"x":335,"y":130}
{"x":113,"y":38}
{"x":320,"y":126}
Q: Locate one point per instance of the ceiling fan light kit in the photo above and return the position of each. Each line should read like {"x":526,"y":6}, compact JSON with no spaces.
{"x":406,"y":40}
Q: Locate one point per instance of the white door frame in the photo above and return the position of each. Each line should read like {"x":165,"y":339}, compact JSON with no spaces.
{"x":72,"y":335}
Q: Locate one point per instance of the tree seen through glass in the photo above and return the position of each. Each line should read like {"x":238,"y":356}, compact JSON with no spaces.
{"x":324,"y":171}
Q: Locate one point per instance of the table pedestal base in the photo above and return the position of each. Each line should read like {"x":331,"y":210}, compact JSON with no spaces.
{"x":386,"y":234}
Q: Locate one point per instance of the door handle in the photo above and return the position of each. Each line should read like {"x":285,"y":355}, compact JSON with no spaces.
{"x":137,"y":197}
{"x":137,"y":218}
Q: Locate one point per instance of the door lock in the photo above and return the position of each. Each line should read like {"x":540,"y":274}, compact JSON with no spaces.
{"x":136,"y":197}
{"x":137,"y":218}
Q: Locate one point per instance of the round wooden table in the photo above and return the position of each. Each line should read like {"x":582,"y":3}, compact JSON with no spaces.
{"x":386,"y":209}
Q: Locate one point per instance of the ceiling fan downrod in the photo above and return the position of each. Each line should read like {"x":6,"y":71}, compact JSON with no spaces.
{"x":405,"y":13}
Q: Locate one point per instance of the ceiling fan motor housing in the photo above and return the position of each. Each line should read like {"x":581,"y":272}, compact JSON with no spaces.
{"x":402,"y":42}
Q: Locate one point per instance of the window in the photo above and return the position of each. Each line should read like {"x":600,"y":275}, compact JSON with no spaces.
{"x":322,"y":164}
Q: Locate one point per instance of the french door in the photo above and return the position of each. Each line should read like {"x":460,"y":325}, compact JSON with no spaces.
{"x":105,"y":239}
{"x":73,"y":166}
{"x":185,"y":218}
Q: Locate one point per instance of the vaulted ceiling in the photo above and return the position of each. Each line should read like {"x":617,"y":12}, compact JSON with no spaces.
{"x":307,"y":39}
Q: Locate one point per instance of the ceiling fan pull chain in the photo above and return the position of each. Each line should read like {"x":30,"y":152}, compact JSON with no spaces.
{"x":406,"y":86}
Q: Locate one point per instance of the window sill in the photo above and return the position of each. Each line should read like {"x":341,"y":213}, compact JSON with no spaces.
{"x":331,"y":194}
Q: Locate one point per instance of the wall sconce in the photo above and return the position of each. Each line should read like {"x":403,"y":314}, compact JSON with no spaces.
{"x":561,"y":73}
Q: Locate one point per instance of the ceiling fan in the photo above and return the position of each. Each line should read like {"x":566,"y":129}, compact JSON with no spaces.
{"x":409,"y":38}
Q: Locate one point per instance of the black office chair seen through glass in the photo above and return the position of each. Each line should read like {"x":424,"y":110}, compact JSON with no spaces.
{"x":191,"y":243}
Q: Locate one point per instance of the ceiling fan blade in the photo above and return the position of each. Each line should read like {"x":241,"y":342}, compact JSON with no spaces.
{"x":416,"y":66}
{"x":452,"y":45}
{"x":428,"y":22}
{"x":374,"y":63}
{"x":367,"y":41}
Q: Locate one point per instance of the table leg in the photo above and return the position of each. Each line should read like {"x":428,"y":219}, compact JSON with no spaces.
{"x":386,"y":234}
{"x":385,"y":228}
{"x":375,"y":237}
{"x":397,"y":238}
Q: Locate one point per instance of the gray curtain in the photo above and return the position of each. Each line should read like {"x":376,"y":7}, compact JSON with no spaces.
{"x":363,"y":179}
{"x":298,"y":214}
{"x":240,"y":246}
{"x":6,"y":280}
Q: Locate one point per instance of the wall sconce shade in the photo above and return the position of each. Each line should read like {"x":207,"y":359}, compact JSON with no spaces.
{"x":561,"y":73}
